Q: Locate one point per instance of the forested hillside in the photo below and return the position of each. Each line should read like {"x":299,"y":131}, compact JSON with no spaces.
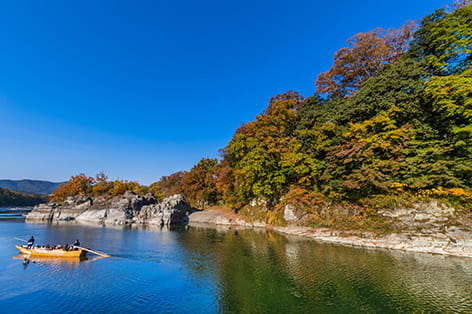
{"x":393,"y":115}
{"x":391,"y":120}
{"x":12,"y":198}
{"x":29,"y":186}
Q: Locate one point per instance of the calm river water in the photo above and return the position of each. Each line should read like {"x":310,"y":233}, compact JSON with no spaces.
{"x":206,"y":270}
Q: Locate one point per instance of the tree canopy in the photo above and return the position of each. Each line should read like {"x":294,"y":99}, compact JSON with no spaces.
{"x":392,"y":115}
{"x":367,"y":53}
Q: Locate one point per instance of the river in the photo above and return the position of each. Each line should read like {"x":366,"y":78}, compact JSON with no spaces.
{"x":207,"y":270}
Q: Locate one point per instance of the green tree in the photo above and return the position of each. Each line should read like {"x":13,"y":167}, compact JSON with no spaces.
{"x":451,"y":101}
{"x":260,"y":151}
{"x":444,"y":41}
{"x":199,"y":184}
{"x":368,"y":160}
{"x":399,"y":84}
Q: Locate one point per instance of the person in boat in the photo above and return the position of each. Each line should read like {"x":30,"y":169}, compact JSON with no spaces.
{"x":30,"y":242}
{"x":76,"y":243}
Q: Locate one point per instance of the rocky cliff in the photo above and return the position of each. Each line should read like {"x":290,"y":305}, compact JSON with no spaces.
{"x":425,"y":227}
{"x":127,"y":209}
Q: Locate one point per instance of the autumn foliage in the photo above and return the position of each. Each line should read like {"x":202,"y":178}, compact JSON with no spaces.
{"x":367,"y":53}
{"x":77,"y":185}
{"x":393,"y":115}
{"x":98,"y":186}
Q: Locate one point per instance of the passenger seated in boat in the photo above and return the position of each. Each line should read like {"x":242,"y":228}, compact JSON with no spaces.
{"x":30,"y":242}
{"x":76,"y":243}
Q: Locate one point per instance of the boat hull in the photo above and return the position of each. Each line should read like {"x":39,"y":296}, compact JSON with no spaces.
{"x":50,"y":253}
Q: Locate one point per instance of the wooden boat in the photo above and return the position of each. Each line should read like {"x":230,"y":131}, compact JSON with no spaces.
{"x":35,"y":251}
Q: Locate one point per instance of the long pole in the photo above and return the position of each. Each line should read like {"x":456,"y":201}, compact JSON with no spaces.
{"x":21,"y":240}
{"x":92,"y":251}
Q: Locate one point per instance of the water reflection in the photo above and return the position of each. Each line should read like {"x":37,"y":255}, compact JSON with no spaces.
{"x":265,"y":272}
{"x":202,"y":269}
{"x":68,"y":262}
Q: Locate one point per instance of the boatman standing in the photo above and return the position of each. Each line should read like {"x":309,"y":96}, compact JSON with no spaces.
{"x":76,"y":243}
{"x":30,"y":242}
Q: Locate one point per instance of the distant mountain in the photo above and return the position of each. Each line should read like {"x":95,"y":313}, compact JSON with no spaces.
{"x":13,"y":198}
{"x":30,"y":186}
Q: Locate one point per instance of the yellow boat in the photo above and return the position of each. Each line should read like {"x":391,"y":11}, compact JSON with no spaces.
{"x":35,"y":251}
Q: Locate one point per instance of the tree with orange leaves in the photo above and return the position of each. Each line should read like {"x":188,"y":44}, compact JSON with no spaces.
{"x":77,"y":185}
{"x":367,"y":53}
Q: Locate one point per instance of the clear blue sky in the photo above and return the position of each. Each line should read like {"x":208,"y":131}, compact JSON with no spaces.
{"x":141,"y":89}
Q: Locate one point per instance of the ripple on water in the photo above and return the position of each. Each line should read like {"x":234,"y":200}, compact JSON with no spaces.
{"x":205,"y":270}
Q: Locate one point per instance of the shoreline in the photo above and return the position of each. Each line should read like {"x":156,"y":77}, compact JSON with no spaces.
{"x":460,"y":245}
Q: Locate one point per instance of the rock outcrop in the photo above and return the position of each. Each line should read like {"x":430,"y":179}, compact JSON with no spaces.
{"x":428,"y":227}
{"x":449,"y":240}
{"x":428,"y":217}
{"x":127,"y":209}
{"x":172,"y":210}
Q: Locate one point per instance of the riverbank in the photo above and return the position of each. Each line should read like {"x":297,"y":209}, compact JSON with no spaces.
{"x":454,"y":242}
{"x":428,"y":227}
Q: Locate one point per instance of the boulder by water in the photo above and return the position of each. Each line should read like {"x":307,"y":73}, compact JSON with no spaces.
{"x":126,"y":209}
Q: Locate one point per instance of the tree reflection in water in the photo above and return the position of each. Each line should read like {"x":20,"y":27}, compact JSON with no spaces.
{"x":262,"y":271}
